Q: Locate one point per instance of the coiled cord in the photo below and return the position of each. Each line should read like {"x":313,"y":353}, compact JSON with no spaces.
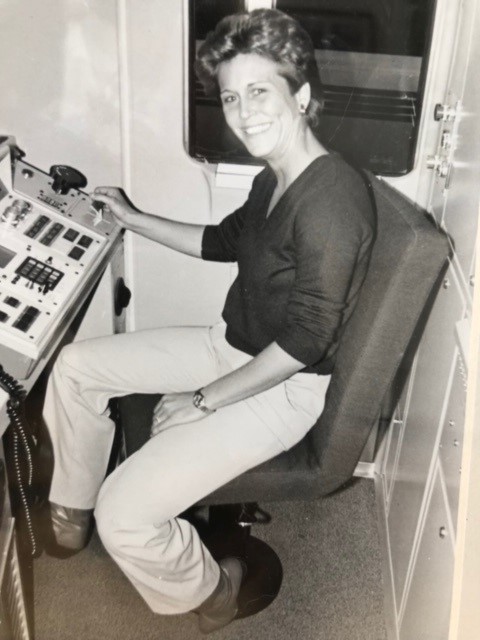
{"x":21,"y":435}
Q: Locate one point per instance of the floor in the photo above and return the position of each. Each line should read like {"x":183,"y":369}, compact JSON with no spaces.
{"x":332,"y":584}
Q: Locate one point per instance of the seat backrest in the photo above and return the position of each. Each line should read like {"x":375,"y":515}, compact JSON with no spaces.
{"x":408,"y":258}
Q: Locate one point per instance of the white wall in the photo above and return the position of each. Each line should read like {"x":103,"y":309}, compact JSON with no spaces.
{"x":60,"y":84}
{"x":60,"y":95}
{"x":168,"y":288}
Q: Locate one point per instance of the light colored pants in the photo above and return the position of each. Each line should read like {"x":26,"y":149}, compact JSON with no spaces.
{"x":137,"y":505}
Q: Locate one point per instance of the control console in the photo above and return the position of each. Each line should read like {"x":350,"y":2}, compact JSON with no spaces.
{"x":54,"y":243}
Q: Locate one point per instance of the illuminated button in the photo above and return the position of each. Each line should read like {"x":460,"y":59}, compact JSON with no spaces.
{"x":76,"y":253}
{"x":70,"y":235}
{"x":12,"y":302}
{"x":25,"y":269}
{"x":3,"y":316}
{"x":85,"y":241}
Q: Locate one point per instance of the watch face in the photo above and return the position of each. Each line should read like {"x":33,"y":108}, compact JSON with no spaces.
{"x":198,"y":400}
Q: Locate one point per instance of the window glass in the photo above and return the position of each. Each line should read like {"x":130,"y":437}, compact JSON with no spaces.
{"x":371,"y":56}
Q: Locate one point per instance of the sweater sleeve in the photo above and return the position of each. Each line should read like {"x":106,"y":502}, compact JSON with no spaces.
{"x":330,"y":240}
{"x":219,"y":242}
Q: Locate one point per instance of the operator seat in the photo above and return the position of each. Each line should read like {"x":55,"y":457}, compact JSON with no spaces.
{"x":408,"y":260}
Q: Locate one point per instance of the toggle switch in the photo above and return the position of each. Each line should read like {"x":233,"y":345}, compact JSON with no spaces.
{"x":98,"y":208}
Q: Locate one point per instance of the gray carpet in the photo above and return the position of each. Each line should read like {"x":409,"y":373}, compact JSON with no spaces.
{"x":332,"y":586}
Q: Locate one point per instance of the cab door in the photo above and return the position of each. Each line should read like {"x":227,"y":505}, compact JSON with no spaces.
{"x":424,"y":521}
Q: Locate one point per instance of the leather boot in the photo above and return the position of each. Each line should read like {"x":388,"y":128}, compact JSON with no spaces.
{"x":67,"y":530}
{"x":220,"y":608}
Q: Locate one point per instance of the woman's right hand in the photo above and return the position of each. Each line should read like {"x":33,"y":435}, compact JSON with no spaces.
{"x":113,"y":198}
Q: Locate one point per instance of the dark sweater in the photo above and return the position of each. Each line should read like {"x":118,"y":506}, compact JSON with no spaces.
{"x":299,"y":269}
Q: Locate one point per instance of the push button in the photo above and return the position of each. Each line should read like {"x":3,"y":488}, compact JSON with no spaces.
{"x":76,"y":253}
{"x":12,"y":302}
{"x":85,"y":241}
{"x":70,"y":235}
{"x":3,"y":316}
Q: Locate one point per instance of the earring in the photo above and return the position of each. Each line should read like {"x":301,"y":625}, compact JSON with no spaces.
{"x":302,"y":109}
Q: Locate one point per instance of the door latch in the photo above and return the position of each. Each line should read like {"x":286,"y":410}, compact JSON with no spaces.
{"x":445,"y":112}
{"x":441,"y":166}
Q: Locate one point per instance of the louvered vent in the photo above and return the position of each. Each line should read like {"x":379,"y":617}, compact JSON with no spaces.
{"x":354,"y":102}
{"x":375,"y":104}
{"x":12,"y":609}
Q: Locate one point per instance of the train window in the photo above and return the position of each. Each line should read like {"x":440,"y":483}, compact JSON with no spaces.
{"x":372,"y":59}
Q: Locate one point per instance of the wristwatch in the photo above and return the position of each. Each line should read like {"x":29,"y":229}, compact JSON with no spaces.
{"x":199,"y":402}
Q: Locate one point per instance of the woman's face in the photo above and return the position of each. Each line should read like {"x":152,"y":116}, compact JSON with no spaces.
{"x":258,"y":105}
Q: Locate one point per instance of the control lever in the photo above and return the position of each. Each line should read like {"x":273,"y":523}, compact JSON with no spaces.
{"x":98,"y":209}
{"x":66,"y":178}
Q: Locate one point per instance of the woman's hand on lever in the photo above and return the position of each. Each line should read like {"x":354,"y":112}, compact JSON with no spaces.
{"x":173,"y":409}
{"x":180,"y":236}
{"x":115,"y":200}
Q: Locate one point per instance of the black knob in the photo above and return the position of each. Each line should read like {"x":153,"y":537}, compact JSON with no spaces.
{"x":66,"y":178}
{"x":121,"y":296}
{"x":438,"y":112}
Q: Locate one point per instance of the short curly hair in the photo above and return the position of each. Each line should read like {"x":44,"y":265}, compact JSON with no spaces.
{"x":268,"y":33}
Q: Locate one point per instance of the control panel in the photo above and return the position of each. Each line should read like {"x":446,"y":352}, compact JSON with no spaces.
{"x":54,"y":243}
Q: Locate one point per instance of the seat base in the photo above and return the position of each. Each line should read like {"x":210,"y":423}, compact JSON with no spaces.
{"x":264,"y":569}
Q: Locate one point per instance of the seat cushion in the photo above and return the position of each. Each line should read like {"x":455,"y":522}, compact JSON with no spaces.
{"x":285,"y":477}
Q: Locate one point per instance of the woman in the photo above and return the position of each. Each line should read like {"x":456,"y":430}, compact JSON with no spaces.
{"x":240,"y":392}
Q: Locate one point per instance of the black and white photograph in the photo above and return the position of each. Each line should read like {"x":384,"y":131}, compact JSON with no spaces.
{"x":239,"y":320}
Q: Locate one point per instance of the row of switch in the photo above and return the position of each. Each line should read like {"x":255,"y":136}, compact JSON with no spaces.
{"x":37,"y":226}
{"x":52,"y":234}
{"x":71,"y":235}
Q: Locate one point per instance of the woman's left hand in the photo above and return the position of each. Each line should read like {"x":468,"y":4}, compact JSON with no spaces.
{"x":173,"y":409}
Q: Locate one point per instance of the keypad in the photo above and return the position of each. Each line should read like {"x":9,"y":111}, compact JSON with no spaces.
{"x":40,"y":273}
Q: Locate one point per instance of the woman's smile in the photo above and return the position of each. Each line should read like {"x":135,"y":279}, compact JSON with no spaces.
{"x":253,"y":130}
